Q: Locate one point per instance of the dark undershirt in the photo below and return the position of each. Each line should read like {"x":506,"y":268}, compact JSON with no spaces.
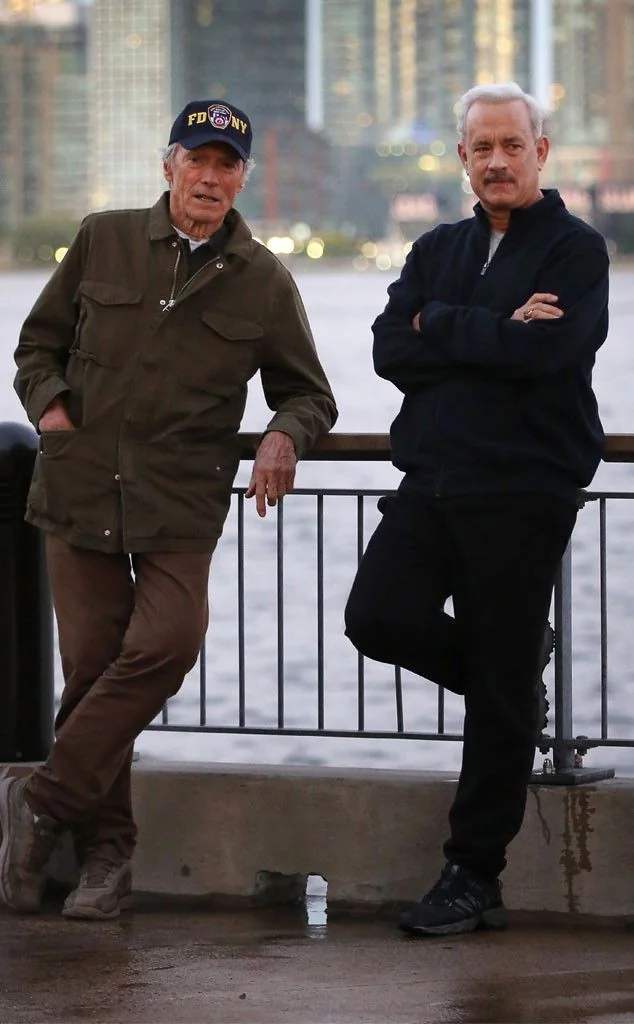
{"x":212,"y":248}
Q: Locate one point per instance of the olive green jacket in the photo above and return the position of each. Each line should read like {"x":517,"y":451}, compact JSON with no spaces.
{"x":153,"y":369}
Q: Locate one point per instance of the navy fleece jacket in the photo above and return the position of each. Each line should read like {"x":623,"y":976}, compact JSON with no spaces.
{"x":493,"y":404}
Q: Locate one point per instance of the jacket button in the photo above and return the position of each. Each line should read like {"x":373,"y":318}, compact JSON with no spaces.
{"x":107,"y":533}
{"x":174,"y":244}
{"x":219,"y":265}
{"x":162,"y":302}
{"x":117,"y":477}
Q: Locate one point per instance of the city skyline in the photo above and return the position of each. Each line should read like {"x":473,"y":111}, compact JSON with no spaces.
{"x":352,"y":101}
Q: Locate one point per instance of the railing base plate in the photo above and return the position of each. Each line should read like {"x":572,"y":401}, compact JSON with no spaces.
{"x":571,"y":776}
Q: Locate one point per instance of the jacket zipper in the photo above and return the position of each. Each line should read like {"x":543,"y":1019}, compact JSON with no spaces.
{"x":487,"y":263}
{"x":489,"y":260}
{"x":173,"y":297}
{"x":172,"y":300}
{"x":438,"y":474}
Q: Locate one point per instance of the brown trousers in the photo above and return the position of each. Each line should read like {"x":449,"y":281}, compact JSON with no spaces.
{"x":125,"y":644}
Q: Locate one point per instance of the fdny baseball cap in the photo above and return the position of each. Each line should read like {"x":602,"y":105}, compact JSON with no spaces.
{"x":205,"y":121}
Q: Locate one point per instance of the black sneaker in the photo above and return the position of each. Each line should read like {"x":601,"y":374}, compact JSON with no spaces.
{"x":459,"y":902}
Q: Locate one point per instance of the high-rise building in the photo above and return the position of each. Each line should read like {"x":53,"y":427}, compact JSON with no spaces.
{"x":253,"y":53}
{"x":593,"y":91}
{"x":130,"y":112}
{"x":392,"y":73}
{"x":393,"y":69}
{"x":43,"y":110}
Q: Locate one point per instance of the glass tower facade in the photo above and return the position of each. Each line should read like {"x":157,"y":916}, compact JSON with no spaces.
{"x":253,"y":54}
{"x":129,"y":101}
{"x":593,"y":92}
{"x":43,"y":111}
{"x":393,"y":69}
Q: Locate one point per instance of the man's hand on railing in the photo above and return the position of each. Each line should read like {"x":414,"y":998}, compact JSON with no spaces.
{"x":273,"y":473}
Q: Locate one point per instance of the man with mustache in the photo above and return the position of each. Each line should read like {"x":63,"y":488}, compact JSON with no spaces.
{"x":490,"y":333}
{"x":133,"y":366}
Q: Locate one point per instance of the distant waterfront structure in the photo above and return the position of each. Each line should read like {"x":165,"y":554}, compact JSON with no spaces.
{"x":130,"y":112}
{"x":43,"y":111}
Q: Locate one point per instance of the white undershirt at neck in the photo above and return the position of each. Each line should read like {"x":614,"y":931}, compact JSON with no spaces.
{"x":494,"y":241}
{"x":194,"y":243}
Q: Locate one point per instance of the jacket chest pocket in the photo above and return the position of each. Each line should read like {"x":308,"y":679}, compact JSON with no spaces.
{"x":225,"y":350}
{"x":108,"y":322}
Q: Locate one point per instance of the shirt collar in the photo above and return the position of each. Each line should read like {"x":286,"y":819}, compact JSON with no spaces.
{"x":526,"y":214}
{"x":240,"y":241}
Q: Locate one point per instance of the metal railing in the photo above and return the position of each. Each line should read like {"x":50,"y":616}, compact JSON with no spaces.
{"x":565,"y":765}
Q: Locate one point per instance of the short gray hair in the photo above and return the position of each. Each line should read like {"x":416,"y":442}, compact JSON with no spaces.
{"x":168,"y":154}
{"x":500,"y":92}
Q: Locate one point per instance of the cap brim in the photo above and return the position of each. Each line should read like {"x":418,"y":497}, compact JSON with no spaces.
{"x":204,"y":137}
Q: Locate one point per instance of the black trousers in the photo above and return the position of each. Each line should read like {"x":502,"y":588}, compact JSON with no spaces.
{"x":497,"y":557}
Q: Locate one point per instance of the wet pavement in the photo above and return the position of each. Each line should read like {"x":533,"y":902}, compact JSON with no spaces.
{"x":254,"y":967}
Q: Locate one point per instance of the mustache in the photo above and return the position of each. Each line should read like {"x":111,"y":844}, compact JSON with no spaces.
{"x":492,"y":178}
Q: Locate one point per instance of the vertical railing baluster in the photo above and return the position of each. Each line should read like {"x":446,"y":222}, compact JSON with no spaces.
{"x":280,"y":614}
{"x":320,"y":611}
{"x":360,"y":660}
{"x":398,"y":686}
{"x":563,"y":757}
{"x":241,"y":654}
{"x":203,"y":684}
{"x":440,"y":725}
{"x":604,"y":617}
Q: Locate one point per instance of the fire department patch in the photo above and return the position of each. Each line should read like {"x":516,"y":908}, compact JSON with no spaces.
{"x":219,"y":116}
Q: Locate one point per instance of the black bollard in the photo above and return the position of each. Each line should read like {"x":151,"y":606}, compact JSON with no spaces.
{"x":26,"y":620}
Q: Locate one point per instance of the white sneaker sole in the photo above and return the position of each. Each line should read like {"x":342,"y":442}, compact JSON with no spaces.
{"x":95,"y":914}
{"x":5,"y":825}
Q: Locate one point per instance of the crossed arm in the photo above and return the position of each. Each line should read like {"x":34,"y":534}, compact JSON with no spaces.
{"x":417,"y":342}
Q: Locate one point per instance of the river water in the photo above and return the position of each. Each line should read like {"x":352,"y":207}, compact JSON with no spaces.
{"x":341,"y":305}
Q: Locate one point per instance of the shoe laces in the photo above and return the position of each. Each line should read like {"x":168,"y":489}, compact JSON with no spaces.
{"x":441,"y":892}
{"x":454,"y":884}
{"x":99,"y":865}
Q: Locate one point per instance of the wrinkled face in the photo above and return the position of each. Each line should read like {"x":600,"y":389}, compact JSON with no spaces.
{"x":203,"y":185}
{"x":501,"y":156}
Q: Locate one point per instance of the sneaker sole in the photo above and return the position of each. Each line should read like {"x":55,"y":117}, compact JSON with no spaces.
{"x":94,"y":914}
{"x":5,"y":825}
{"x":496,"y":918}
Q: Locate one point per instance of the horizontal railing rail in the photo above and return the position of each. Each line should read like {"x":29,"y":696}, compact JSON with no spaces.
{"x":341,"y":447}
{"x":567,"y":748}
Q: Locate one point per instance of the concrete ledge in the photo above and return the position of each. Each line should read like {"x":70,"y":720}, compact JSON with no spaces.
{"x":235,"y":833}
{"x":244,"y":834}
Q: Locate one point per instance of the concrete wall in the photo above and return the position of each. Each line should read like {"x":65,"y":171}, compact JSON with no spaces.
{"x":229,"y":832}
{"x":238,"y":834}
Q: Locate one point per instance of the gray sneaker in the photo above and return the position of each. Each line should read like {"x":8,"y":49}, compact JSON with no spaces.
{"x":28,"y":841}
{"x":105,"y":887}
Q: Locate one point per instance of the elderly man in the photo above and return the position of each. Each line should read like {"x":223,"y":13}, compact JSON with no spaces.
{"x":490,"y":333}
{"x":133,"y":366}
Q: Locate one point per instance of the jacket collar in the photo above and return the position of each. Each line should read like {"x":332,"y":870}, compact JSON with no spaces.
{"x":240,"y":240}
{"x":527,"y":214}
